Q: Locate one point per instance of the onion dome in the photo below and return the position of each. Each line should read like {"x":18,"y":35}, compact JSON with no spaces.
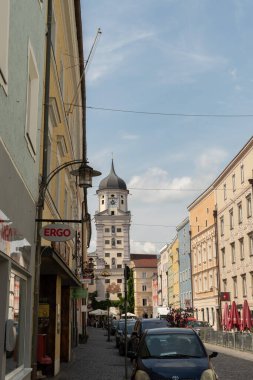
{"x":112,"y":181}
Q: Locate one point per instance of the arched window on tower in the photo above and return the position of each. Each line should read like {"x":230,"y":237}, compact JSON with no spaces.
{"x":113,"y":229}
{"x":113,"y":242}
{"x":113,"y":262}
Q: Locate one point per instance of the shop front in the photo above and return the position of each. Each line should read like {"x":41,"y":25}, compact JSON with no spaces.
{"x":17,"y":224}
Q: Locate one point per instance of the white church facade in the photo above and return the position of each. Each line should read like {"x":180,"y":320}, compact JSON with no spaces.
{"x":112,"y":222}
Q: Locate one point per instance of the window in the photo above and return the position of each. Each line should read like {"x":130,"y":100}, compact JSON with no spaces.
{"x":249,"y":207}
{"x":223,"y":257}
{"x":241,"y":247}
{"x":107,"y":241}
{"x":222,"y":226}
{"x":224,"y":285}
{"x":144,"y":288}
{"x":239,"y":212}
{"x":119,"y":242}
{"x":103,"y":202}
{"x":232,"y":247}
{"x":233,"y":182}
{"x":113,"y":229}
{"x":144,"y":302}
{"x":225,"y":191}
{"x":119,"y":281}
{"x":209,"y":252}
{"x":113,"y":262}
{"x":107,"y":281}
{"x":244,"y":285}
{"x":119,"y":254}
{"x":235,"y":286}
{"x":17,"y":309}
{"x":4,"y":41}
{"x":107,"y":230}
{"x":144,"y":275}
{"x":251,"y":283}
{"x":107,"y":254}
{"x":112,"y":212}
{"x":251,"y":244}
{"x":231,"y":218}
{"x":242,"y":173}
{"x":32,"y":102}
{"x":119,"y":266}
{"x":119,"y":229}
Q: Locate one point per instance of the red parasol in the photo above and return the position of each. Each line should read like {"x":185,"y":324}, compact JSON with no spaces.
{"x":234,"y":317}
{"x":246,"y":316}
{"x":225,"y":317}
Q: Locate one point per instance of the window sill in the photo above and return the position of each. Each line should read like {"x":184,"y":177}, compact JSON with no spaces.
{"x":19,"y":374}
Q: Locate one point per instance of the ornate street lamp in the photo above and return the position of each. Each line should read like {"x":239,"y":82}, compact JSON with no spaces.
{"x":84,"y":174}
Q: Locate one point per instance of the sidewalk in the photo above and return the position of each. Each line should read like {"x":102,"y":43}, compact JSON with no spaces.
{"x":228,"y":351}
{"x":95,"y":360}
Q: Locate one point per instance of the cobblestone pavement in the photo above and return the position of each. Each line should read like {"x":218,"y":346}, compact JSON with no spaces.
{"x":98,"y":359}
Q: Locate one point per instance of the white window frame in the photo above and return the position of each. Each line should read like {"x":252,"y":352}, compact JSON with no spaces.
{"x":249,"y":206}
{"x":4,"y":42}
{"x":32,"y":99}
{"x":241,"y":247}
{"x":239,"y":212}
{"x":233,"y":182}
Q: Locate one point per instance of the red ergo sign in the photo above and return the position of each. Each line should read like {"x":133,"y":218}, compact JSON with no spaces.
{"x":57,"y":232}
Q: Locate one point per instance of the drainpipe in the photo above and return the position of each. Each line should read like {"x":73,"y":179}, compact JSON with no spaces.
{"x":41,"y":199}
{"x":215,"y":213}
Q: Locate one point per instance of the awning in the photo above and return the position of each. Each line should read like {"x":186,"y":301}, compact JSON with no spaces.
{"x":53,"y":264}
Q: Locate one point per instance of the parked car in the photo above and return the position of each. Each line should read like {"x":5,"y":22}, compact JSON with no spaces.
{"x":141,"y":325}
{"x":114,"y":324}
{"x":130,"y":327}
{"x":199,"y":325}
{"x":119,"y":331}
{"x":172,"y":353}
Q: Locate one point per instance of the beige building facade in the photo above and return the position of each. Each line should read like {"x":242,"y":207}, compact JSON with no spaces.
{"x":204,"y":259}
{"x":144,"y":268}
{"x":233,"y":191}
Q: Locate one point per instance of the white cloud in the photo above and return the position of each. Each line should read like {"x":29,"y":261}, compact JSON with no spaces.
{"x":163,"y":188}
{"x":211,"y":159}
{"x":147,"y":247}
{"x":109,"y":56}
{"x":233,"y":73}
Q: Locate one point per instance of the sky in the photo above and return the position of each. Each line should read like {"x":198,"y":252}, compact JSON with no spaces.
{"x":169,"y":89}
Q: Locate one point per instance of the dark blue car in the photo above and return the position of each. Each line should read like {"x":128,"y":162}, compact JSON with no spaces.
{"x":172,"y":354}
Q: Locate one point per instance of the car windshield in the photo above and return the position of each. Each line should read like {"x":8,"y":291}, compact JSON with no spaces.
{"x":149,"y":324}
{"x":130,"y":327}
{"x":171,"y":345}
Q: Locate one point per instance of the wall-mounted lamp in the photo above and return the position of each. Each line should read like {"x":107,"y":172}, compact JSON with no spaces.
{"x":85,"y":174}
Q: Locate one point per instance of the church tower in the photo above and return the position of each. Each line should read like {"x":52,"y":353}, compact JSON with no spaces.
{"x":113,"y":226}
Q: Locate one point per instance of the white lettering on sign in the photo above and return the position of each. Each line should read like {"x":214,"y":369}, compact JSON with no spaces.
{"x":57,"y":232}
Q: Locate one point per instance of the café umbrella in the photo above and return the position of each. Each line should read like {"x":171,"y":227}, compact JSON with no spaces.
{"x":246,"y":317}
{"x":234,"y":317}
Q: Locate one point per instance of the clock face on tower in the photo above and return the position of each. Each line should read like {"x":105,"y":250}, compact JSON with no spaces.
{"x":113,"y":202}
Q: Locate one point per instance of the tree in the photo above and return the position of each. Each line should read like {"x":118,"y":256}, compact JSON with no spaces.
{"x":130,"y":290}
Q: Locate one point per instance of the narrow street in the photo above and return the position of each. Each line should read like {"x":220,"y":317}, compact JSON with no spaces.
{"x":96,"y":360}
{"x":100,"y":360}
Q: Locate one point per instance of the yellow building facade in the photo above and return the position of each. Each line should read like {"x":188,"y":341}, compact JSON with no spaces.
{"x":173,"y":275}
{"x":62,"y":262}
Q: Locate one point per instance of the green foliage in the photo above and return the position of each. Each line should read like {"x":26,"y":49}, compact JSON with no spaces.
{"x":130,"y":285}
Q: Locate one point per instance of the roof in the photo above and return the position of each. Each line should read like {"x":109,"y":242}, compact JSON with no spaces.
{"x":145,"y":263}
{"x":112,"y":181}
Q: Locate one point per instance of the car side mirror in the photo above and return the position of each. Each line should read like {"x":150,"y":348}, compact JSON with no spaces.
{"x":213,"y":355}
{"x":131,"y":354}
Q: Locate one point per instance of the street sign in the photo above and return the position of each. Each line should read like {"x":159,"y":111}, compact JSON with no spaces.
{"x":57,"y":232}
{"x":79,"y":293}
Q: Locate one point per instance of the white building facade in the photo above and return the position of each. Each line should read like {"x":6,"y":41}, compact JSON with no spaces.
{"x":113,"y":228}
